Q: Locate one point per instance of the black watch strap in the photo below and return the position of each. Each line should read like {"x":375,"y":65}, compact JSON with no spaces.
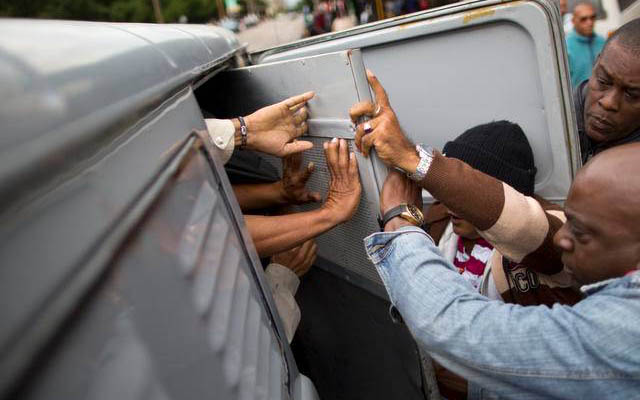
{"x":394,"y":212}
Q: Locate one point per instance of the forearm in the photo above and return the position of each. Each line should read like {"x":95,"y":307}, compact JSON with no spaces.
{"x":260,"y":195}
{"x":274,"y":234}
{"x":500,"y":346}
{"x":515,"y":224}
{"x":471,"y":194}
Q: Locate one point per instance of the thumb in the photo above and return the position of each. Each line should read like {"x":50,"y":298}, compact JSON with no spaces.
{"x":296,"y":147}
{"x":378,"y":90}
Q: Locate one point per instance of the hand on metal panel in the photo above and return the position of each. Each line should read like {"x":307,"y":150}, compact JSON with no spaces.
{"x":344,"y":185}
{"x":383,"y":130}
{"x":294,"y":180}
{"x":274,"y":129}
{"x":299,"y":259}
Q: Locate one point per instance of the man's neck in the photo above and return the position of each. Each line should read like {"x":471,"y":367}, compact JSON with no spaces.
{"x":585,"y":37}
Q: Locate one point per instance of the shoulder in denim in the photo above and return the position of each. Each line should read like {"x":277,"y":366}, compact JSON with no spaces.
{"x":631,"y":280}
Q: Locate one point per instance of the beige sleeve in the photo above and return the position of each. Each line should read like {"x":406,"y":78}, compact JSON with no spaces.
{"x":524,"y":232}
{"x":518,"y":226}
{"x":284,"y":285}
{"x":521,"y":227}
{"x":222,"y":134}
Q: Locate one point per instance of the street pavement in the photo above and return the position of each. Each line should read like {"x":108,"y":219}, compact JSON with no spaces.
{"x":273,"y":32}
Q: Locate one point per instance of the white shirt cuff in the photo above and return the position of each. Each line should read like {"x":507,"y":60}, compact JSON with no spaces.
{"x":284,"y":284}
{"x":222,"y":134}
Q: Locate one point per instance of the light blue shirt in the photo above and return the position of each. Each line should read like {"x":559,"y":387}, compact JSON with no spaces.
{"x":588,"y":351}
{"x":583,"y":52}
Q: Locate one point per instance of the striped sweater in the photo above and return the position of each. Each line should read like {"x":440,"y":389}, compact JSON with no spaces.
{"x":525,"y":267}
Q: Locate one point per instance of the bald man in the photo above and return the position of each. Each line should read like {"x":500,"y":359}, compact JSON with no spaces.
{"x":583,"y":45}
{"x":586,"y":351}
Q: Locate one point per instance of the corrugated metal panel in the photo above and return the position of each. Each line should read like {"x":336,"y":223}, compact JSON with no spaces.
{"x":165,"y":324}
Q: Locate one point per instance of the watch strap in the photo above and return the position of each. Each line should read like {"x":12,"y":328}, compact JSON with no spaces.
{"x":243,"y":132}
{"x":394,"y":212}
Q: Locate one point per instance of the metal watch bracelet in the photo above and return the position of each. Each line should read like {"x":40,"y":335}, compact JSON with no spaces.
{"x":426,"y":158}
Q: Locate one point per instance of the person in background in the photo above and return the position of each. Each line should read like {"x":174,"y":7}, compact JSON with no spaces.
{"x":583,"y":45}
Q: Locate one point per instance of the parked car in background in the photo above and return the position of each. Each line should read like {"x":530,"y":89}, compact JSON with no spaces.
{"x":127,"y":270}
{"x":230,"y":23}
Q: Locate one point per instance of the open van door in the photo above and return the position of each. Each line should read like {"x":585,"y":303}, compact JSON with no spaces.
{"x":445,"y":70}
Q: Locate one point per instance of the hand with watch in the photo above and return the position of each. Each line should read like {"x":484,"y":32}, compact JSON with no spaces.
{"x":275,"y":128}
{"x":400,"y":202}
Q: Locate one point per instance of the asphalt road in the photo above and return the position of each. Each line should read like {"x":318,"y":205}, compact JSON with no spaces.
{"x":273,"y":32}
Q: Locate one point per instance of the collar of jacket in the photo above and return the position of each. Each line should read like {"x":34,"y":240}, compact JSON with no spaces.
{"x":632,"y":277}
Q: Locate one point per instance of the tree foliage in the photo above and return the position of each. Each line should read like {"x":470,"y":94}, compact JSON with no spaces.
{"x":197,"y":11}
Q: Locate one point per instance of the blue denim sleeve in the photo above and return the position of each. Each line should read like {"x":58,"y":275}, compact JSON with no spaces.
{"x":521,"y":352}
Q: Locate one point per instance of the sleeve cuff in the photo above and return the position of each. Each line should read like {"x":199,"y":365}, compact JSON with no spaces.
{"x":222,"y":134}
{"x":284,"y":284}
{"x":280,"y":276}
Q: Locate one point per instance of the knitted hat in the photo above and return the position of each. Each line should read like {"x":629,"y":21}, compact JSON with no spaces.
{"x":499,"y":149}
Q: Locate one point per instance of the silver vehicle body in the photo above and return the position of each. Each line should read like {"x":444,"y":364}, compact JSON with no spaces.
{"x":127,"y":271}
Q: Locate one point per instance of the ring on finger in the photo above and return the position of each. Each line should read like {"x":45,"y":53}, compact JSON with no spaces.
{"x":377,"y":111}
{"x":367,"y":127}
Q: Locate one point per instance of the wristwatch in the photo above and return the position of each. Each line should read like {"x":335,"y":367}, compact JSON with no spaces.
{"x":426,"y":158}
{"x":405,"y":211}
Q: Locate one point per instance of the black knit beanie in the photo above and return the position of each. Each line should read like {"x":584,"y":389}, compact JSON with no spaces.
{"x":499,"y":149}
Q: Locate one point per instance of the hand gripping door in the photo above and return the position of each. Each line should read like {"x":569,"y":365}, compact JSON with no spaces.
{"x":339,"y":81}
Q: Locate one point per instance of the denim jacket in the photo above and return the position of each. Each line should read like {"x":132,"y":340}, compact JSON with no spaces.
{"x":588,"y":351}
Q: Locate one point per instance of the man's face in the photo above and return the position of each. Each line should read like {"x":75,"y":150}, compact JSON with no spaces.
{"x":612,"y":106}
{"x":584,"y":17}
{"x":599,"y":240}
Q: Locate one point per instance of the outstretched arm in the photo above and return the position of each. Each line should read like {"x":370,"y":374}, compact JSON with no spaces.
{"x":517,"y":225}
{"x":272,"y":129}
{"x":542,"y":352}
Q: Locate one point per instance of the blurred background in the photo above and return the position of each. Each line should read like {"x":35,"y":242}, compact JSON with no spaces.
{"x":260,"y":23}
